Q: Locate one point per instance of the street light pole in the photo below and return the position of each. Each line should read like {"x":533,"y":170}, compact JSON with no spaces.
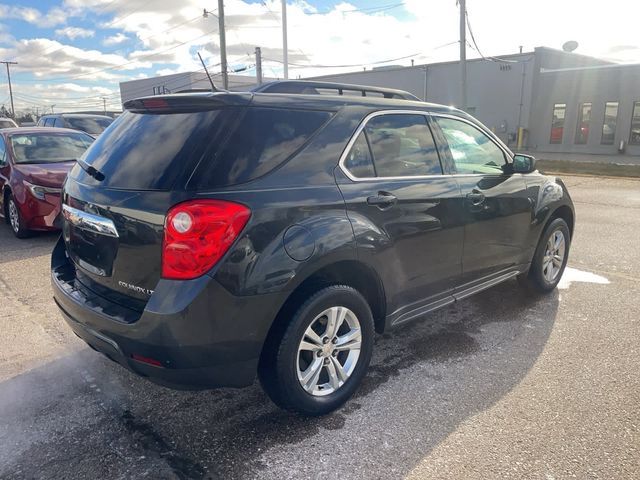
{"x":13,"y":110}
{"x":223,"y":45}
{"x":463,"y":54}
{"x":285,"y":48}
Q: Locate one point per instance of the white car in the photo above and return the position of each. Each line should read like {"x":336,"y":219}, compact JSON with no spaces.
{"x":7,"y":123}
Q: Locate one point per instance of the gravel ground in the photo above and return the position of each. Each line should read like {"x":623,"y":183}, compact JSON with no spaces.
{"x":501,"y":385}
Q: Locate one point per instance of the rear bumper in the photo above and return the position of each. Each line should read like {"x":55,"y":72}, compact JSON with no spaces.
{"x":200,"y":335}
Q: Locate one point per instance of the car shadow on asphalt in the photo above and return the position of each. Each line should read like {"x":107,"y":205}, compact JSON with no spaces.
{"x":435,"y":372}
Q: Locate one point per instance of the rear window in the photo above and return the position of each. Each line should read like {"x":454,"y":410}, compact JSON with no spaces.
{"x":49,"y":148}
{"x":263,"y":139}
{"x":143,"y":151}
{"x":94,"y":126}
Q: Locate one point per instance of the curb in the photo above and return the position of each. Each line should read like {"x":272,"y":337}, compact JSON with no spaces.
{"x":589,"y":168}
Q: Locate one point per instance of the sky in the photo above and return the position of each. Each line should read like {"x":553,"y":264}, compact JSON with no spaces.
{"x":72,"y":54}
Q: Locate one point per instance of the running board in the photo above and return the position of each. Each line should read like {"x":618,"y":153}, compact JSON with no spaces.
{"x":443,"y":302}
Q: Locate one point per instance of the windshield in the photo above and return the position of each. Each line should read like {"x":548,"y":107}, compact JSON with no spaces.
{"x":92,"y":125}
{"x":49,"y":148}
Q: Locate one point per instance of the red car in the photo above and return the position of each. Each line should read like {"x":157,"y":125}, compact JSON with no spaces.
{"x":34,"y":163}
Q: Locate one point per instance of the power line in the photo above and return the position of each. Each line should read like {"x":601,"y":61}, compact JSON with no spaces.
{"x":379,"y":8}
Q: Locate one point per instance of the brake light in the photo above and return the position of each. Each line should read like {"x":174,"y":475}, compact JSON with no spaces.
{"x":197,"y":234}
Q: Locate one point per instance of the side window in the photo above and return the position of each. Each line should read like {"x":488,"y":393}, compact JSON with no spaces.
{"x":609,"y":124}
{"x":472,"y":151}
{"x":359,"y":161}
{"x":49,"y":122}
{"x":3,"y":153}
{"x":402,"y":146}
{"x":634,"y":136}
{"x":557,"y":122}
{"x":584,"y":117}
{"x":58,"y":122}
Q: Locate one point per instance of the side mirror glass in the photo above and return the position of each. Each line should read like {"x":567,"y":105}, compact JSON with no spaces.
{"x":523,"y":163}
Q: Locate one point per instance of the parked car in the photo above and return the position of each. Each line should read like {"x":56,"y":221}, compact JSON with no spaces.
{"x":7,"y":123}
{"x":33,"y":165}
{"x":274,"y":233}
{"x":94,"y":125}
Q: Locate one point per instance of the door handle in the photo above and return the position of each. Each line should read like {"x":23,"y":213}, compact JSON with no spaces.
{"x":476,"y":198}
{"x":383,"y":200}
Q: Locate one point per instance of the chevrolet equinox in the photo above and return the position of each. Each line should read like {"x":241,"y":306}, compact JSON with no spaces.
{"x":209,"y":238}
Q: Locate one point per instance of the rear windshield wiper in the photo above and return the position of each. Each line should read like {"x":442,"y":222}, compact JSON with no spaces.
{"x":97,"y":174}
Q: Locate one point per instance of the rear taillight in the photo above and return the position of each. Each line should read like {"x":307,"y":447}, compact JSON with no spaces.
{"x":197,"y":234}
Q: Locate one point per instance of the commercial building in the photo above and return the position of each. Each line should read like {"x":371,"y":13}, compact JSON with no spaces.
{"x":561,"y":103}
{"x":565,"y":102}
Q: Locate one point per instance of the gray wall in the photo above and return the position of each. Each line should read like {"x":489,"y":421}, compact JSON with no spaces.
{"x":494,"y":88}
{"x":597,"y":85}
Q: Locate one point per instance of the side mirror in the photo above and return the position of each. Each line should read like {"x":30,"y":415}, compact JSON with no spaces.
{"x":523,"y":163}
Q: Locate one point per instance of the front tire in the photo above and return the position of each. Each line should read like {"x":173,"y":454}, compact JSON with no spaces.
{"x":16,"y":222}
{"x":316,"y":362}
{"x":550,"y":258}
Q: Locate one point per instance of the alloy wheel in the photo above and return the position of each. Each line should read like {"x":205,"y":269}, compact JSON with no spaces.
{"x":329,"y":351}
{"x":553,"y":256}
{"x":14,"y":217}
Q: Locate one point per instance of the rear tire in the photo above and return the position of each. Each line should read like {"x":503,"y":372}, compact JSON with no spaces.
{"x":15,"y":220}
{"x":315,"y":362}
{"x":550,"y":258}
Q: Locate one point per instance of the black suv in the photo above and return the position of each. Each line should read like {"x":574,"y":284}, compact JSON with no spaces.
{"x":210,"y":237}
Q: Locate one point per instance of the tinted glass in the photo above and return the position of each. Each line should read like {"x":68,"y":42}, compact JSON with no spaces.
{"x":3,"y":152}
{"x":471,"y":149}
{"x":49,"y":148}
{"x":6,"y":124}
{"x":49,"y":122}
{"x":557,"y":122}
{"x":92,"y":125}
{"x":634,"y":138}
{"x":402,"y":146}
{"x":610,"y":122}
{"x":58,"y":122}
{"x":359,"y":161}
{"x":149,"y":151}
{"x":264,"y":138}
{"x":584,"y":117}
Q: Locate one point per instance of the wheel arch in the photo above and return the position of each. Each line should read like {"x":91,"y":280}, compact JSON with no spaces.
{"x":564,"y":212}
{"x":352,"y":273}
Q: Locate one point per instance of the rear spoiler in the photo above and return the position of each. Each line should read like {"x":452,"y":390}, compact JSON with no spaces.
{"x":187,"y":102}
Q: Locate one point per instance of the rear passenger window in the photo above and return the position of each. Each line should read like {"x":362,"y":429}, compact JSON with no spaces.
{"x":264,"y":139}
{"x":359,"y":161}
{"x":402,"y":146}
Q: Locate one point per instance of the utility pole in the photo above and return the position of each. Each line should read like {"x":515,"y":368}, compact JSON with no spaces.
{"x":13,"y":110}
{"x":463,"y":54}
{"x":258,"y":66}
{"x":285,"y":47}
{"x":223,"y":46}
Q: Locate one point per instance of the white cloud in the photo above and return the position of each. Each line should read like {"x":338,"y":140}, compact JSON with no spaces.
{"x":75,"y":32}
{"x":53,"y":17}
{"x":116,"y":39}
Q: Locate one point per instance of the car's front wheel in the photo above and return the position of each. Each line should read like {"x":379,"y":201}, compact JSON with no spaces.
{"x":550,"y":258}
{"x":315,"y":364}
{"x":16,"y":222}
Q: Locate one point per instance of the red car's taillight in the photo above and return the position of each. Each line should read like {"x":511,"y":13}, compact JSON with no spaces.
{"x":197,"y":234}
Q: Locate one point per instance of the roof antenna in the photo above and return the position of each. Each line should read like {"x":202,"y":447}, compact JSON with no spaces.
{"x":213,"y":87}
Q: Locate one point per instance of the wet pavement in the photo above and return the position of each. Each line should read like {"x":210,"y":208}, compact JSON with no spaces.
{"x":501,"y":385}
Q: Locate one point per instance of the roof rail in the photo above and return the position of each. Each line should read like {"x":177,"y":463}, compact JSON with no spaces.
{"x":312,"y":87}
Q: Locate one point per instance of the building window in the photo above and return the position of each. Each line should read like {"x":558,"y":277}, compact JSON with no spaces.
{"x":584,"y":118}
{"x":609,"y":124}
{"x":634,"y":138}
{"x":557,"y":122}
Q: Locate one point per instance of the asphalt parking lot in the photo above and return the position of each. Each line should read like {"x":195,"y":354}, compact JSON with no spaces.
{"x":502,"y":385}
